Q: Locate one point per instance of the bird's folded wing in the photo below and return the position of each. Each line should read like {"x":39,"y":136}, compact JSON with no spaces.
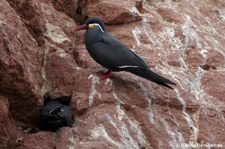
{"x":110,"y":52}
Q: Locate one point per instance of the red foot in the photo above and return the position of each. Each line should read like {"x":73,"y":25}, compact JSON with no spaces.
{"x":104,"y":75}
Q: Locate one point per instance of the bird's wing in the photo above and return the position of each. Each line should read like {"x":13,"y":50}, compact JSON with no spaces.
{"x":111,"y":53}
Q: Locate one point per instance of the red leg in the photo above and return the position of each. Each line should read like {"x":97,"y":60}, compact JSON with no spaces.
{"x":105,"y":75}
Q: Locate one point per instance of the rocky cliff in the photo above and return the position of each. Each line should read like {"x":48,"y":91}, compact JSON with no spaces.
{"x":40,"y":52}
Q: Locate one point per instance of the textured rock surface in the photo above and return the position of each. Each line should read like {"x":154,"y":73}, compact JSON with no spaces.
{"x":10,"y":134}
{"x":182,"y":40}
{"x":112,"y":12}
{"x":20,"y":65}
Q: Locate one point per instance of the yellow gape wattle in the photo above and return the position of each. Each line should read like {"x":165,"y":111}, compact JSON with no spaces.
{"x":91,"y":26}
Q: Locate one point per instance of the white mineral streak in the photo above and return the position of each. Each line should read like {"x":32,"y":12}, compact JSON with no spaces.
{"x":124,"y":126}
{"x":94,"y":82}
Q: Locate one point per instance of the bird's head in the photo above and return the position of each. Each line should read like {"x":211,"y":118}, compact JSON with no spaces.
{"x":91,"y":23}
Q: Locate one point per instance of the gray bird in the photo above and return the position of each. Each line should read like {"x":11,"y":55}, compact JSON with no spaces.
{"x":55,"y":115}
{"x":109,"y":52}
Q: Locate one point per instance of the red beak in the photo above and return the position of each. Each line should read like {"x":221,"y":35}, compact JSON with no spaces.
{"x":82,"y":27}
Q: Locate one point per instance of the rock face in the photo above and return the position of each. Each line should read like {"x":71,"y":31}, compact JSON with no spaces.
{"x":111,"y":12}
{"x":181,"y":40}
{"x":20,"y":65}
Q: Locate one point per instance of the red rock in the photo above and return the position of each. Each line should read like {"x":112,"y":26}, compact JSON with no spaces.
{"x":60,"y":71}
{"x":215,"y":59}
{"x":208,"y":120}
{"x":154,"y":22}
{"x":20,"y":68}
{"x":219,"y":3}
{"x":106,"y":122}
{"x":194,"y":58}
{"x":69,"y":7}
{"x":214,"y":85}
{"x":65,"y":138}
{"x":10,"y":135}
{"x":44,"y":140}
{"x":170,"y":15}
{"x":126,"y":11}
{"x":173,"y":60}
{"x":41,"y":53}
{"x":32,"y":18}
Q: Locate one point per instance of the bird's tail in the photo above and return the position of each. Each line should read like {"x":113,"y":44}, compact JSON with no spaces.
{"x":152,"y":76}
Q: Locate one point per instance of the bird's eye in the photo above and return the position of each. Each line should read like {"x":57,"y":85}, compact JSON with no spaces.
{"x":91,"y":26}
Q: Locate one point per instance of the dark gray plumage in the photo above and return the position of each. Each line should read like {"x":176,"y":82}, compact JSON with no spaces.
{"x":114,"y":55}
{"x":55,"y":115}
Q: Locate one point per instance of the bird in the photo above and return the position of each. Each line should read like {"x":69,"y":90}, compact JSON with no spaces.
{"x":55,"y":115}
{"x":111,"y":53}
